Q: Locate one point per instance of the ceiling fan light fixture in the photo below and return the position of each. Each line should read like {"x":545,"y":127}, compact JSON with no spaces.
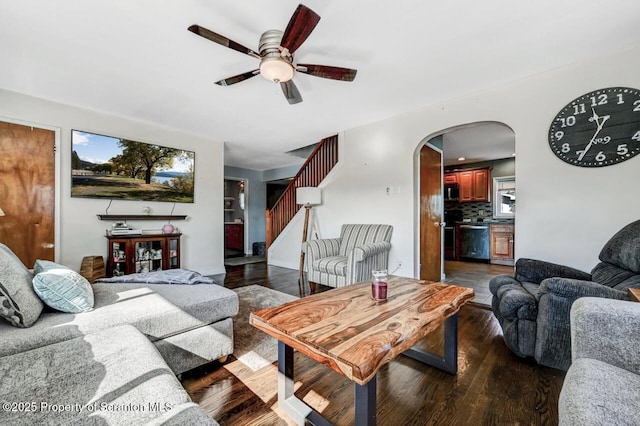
{"x":276,"y":69}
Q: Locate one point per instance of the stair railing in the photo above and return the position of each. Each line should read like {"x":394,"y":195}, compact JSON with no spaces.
{"x":323,"y":158}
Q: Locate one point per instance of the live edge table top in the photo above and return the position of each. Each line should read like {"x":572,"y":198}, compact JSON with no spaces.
{"x":348,"y":331}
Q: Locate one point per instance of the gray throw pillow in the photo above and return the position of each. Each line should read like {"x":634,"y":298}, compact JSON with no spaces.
{"x":19,"y":304}
{"x":61,"y":288}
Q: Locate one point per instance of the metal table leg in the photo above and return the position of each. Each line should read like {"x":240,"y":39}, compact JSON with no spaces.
{"x":301,"y":413}
{"x":450,"y":361}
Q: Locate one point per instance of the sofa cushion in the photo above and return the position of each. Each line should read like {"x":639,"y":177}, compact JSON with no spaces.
{"x":623,"y":249}
{"x":61,"y":288}
{"x":19,"y":304}
{"x":591,"y":395}
{"x":157,"y":310}
{"x":115,"y":376}
{"x":334,"y":265}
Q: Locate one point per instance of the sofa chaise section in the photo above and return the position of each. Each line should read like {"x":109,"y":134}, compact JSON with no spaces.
{"x":190,"y":325}
{"x":114,"y":376}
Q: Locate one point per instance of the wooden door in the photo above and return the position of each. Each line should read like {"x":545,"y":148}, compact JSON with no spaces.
{"x":431,"y":211}
{"x":27,"y":191}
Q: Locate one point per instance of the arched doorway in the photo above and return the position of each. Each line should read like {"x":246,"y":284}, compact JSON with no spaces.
{"x":482,"y":151}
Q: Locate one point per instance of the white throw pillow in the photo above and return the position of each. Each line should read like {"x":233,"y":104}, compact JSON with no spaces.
{"x":62,"y":288}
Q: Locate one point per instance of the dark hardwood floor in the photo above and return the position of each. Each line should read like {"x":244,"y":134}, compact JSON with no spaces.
{"x":492,"y":387}
{"x":475,"y":275}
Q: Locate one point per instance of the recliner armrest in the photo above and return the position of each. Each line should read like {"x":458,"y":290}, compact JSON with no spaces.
{"x":573,"y":289}
{"x":535,"y":271}
{"x":606,"y":330}
{"x":365,"y":251}
{"x":317,"y":249}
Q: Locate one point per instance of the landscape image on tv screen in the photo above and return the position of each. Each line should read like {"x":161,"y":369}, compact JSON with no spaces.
{"x":108,"y":167}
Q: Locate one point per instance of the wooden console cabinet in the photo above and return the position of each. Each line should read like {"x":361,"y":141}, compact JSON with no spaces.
{"x":129,"y":254}
{"x":501,"y":243}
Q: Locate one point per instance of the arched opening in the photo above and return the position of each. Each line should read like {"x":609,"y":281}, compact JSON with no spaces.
{"x":477,"y":202}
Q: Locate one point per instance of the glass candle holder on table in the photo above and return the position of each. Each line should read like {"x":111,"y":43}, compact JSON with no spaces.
{"x":379,"y":285}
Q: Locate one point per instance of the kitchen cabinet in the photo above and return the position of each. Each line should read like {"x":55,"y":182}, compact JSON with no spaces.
{"x":474,"y":185}
{"x":234,"y":236}
{"x":451,"y":177}
{"x":129,"y":254}
{"x":502,"y":241}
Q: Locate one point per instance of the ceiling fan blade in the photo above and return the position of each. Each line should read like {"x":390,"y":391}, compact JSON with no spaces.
{"x":220,"y":39}
{"x":302,"y":22}
{"x":291,"y":92}
{"x":324,"y":71}
{"x":237,"y":78}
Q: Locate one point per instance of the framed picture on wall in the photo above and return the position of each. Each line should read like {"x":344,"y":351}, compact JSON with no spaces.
{"x":115,"y":168}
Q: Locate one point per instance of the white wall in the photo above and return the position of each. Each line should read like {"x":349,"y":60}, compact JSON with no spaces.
{"x":82,"y":233}
{"x":565,"y":213}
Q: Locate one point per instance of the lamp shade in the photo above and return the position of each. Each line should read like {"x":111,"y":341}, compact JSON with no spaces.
{"x":1,"y":212}
{"x":308,"y":195}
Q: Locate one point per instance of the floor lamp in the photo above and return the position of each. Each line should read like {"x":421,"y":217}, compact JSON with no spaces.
{"x":308,"y":196}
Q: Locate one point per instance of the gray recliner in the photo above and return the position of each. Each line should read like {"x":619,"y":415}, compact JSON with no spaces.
{"x":533,"y":306}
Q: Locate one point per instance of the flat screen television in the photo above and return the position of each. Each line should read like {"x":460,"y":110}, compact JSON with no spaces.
{"x":115,"y":168}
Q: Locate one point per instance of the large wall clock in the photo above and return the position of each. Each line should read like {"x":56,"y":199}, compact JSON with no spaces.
{"x":598,"y":129}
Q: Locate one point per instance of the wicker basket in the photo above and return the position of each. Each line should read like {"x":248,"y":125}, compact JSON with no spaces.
{"x":92,"y":268}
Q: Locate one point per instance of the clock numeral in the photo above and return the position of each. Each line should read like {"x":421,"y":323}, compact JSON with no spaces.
{"x":600,"y":100}
{"x":565,"y":148}
{"x":559,"y":134}
{"x":637,"y":106}
{"x":569,"y":121}
{"x":636,"y":137}
{"x":605,"y":140}
{"x":579,"y":109}
{"x":622,"y":149}
{"x":601,"y":157}
{"x":620,"y":99}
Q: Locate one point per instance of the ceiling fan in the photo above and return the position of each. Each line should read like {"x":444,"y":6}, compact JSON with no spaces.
{"x":276,"y":54}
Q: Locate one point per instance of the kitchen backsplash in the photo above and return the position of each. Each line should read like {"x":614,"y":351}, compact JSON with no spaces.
{"x":474,"y":211}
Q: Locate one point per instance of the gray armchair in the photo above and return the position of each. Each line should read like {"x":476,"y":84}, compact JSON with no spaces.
{"x":533,"y":306}
{"x":337,"y":262}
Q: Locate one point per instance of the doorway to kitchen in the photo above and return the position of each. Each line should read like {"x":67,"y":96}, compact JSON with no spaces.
{"x":235,"y":217}
{"x":479,"y":205}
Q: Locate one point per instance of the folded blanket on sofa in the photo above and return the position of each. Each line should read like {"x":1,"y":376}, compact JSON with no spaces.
{"x":169,"y":276}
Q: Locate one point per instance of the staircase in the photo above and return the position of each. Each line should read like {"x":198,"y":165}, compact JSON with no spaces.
{"x":323,"y":158}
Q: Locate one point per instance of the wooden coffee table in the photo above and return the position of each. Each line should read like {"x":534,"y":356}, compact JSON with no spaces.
{"x":348,"y":331}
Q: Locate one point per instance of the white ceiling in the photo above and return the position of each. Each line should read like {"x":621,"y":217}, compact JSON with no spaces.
{"x":478,"y":142}
{"x":136,"y":59}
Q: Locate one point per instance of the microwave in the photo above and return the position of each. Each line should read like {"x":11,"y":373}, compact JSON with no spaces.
{"x":451,"y":191}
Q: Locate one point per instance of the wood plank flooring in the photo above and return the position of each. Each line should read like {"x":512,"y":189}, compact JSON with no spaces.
{"x":475,"y":275}
{"x":492,"y":387}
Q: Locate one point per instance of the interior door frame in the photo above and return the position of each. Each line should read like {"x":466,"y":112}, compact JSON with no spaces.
{"x":245,"y":214}
{"x":57,"y":240}
{"x":417,"y":195}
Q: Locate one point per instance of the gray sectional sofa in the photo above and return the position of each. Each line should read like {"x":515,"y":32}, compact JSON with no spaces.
{"x":118,"y":361}
{"x":602,"y":386}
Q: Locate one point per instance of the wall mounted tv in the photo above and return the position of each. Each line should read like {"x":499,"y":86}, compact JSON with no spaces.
{"x":114,"y":168}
